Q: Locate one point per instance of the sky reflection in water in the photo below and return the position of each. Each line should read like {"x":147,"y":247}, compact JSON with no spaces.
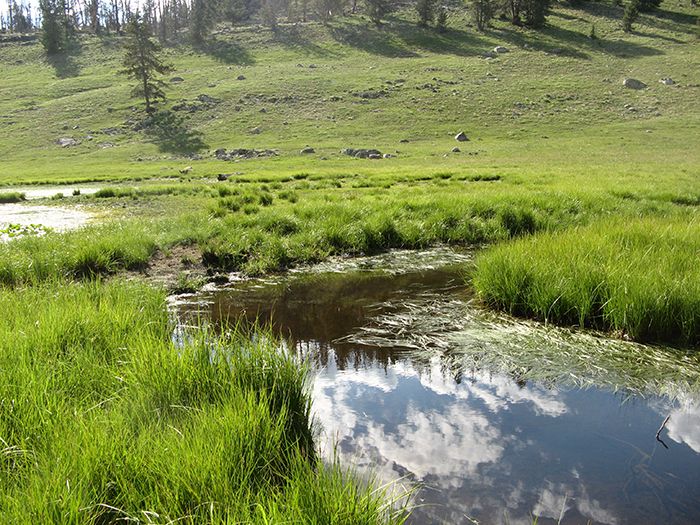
{"x":483,"y":446}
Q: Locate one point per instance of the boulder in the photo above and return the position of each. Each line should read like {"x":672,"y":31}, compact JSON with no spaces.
{"x":461,"y":137}
{"x":177,"y":80}
{"x":255,"y":131}
{"x":223,"y":176}
{"x":388,"y":156}
{"x":403,"y":141}
{"x":186,"y":170}
{"x":633,"y":83}
{"x":667,"y":81}
{"x":456,"y":150}
{"x":307,"y":150}
{"x":374,"y":156}
{"x":366,"y":153}
{"x":221,"y":154}
{"x":67,"y":142}
{"x":500,"y":49}
{"x":240,"y":77}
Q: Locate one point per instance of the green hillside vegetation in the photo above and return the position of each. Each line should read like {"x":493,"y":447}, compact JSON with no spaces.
{"x":582,"y":194}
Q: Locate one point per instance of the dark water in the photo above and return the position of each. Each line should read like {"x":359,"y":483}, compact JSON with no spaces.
{"x":485,"y":447}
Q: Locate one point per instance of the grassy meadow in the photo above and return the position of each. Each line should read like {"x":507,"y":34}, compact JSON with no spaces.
{"x":583,"y":194}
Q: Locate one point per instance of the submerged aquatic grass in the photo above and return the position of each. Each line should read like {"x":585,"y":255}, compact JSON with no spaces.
{"x":470,"y":339}
{"x":104,"y":418}
{"x":640,"y":278}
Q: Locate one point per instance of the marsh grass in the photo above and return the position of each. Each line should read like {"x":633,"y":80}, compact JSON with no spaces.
{"x":104,"y":418}
{"x":12,"y":196}
{"x":640,"y":278}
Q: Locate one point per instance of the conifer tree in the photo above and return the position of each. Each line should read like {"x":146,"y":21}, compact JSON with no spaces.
{"x":53,"y":34}
{"x":142,"y":63}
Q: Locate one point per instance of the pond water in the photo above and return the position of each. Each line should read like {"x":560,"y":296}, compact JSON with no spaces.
{"x":57,"y":218}
{"x":400,"y":391}
{"x":46,"y":192}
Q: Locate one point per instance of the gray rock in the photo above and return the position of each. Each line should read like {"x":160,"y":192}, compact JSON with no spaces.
{"x":255,"y":131}
{"x":307,"y":150}
{"x":177,"y":80}
{"x":263,"y":110}
{"x":461,"y":137}
{"x":456,"y":150}
{"x":374,"y":156}
{"x":67,"y":142}
{"x":667,"y":81}
{"x":223,"y":176}
{"x":366,"y":153}
{"x":186,"y":170}
{"x":633,"y":83}
{"x":387,"y":156}
{"x":221,"y":154}
{"x":500,"y":49}
{"x":240,"y":77}
{"x":403,"y":141}
{"x":206,"y":99}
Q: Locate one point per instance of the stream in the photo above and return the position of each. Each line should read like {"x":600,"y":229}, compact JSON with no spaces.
{"x":494,"y":420}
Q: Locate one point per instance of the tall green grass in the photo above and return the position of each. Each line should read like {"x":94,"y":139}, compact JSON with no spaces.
{"x":638,"y":277}
{"x":104,"y":419}
{"x":12,"y":196}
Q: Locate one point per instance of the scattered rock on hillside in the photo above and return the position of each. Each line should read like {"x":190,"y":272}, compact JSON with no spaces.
{"x":361,"y":153}
{"x":500,"y":49}
{"x":461,"y":137}
{"x":667,"y":81}
{"x":177,"y":80}
{"x":206,"y":99}
{"x":255,"y":131}
{"x":243,"y":153}
{"x":388,"y":156}
{"x":67,"y":142}
{"x":240,"y":77}
{"x":633,"y":83}
{"x":456,"y":150}
{"x":223,"y":176}
{"x":307,"y":150}
{"x":371,"y":94}
{"x":404,"y":141}
{"x":374,"y":156}
{"x":186,"y":170}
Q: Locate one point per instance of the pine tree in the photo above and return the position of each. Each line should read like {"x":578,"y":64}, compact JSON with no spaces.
{"x":441,"y":21}
{"x":376,"y":10}
{"x":203,"y":18}
{"x":53,"y":34}
{"x":630,"y":15}
{"x":482,"y":12}
{"x":142,"y":63}
{"x":426,"y":12}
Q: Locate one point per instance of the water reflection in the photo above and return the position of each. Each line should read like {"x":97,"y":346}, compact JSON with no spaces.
{"x":484,"y":444}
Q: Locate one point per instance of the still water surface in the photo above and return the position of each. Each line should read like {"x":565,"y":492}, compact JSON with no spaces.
{"x":484,"y":446}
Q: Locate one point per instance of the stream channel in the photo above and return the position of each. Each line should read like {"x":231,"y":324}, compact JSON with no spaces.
{"x":496,"y":420}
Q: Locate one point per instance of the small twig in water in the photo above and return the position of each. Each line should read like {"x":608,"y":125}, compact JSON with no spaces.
{"x":658,"y":432}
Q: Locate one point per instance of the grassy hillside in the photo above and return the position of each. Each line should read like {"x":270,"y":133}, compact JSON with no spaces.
{"x":553,"y":106}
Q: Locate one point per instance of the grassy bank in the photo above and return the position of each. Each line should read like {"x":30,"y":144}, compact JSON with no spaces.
{"x":104,"y":418}
{"x":639,"y":277}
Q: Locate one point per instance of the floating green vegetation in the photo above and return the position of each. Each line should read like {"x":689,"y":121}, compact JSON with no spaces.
{"x":469,"y":338}
{"x":639,"y":278}
{"x":104,"y":419}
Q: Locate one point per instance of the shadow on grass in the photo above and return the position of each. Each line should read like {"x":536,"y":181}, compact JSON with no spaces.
{"x":171,"y":134}
{"x":293,"y":37}
{"x":227,"y":51}
{"x":65,"y":64}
